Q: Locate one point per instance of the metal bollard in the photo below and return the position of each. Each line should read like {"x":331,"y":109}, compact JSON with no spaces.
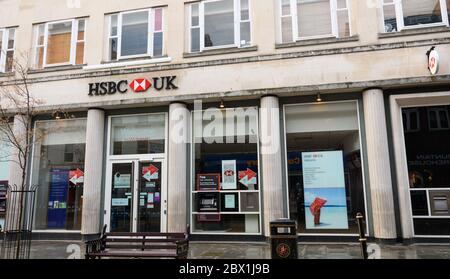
{"x":362,"y":236}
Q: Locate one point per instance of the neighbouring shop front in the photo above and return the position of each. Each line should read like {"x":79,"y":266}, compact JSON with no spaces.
{"x":427,"y":133}
{"x":420,"y":133}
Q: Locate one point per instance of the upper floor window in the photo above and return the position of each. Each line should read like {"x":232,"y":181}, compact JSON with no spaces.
{"x":135,"y":34}
{"x":59,"y":43}
{"x":309,"y":19}
{"x":7,"y":41}
{"x":404,"y":14}
{"x":218,"y":24}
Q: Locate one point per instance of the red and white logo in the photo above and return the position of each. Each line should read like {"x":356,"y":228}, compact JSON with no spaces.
{"x":140,"y":85}
{"x":433,"y":62}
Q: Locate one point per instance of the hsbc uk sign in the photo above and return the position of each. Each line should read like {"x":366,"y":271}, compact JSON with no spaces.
{"x":139,"y":85}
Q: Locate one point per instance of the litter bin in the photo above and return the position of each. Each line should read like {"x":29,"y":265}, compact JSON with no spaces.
{"x":283,"y":239}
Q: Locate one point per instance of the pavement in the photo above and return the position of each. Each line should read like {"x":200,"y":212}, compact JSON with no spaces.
{"x":244,"y":250}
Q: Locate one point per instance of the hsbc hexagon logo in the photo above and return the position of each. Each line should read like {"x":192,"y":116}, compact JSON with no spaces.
{"x":140,"y":85}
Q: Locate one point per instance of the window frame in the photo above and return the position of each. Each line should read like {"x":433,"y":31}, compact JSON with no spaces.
{"x":437,"y":111}
{"x":407,"y":116}
{"x":334,"y":10}
{"x":4,"y":49}
{"x":400,"y":20}
{"x":150,"y":33}
{"x":237,"y":13}
{"x":73,"y":42}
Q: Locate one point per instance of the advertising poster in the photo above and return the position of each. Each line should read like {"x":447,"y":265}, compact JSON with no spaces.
{"x":122,"y":180}
{"x":57,"y":199}
{"x":229,"y":175}
{"x":150,"y":172}
{"x":76,"y":177}
{"x":324,"y":190}
{"x":248,"y":178}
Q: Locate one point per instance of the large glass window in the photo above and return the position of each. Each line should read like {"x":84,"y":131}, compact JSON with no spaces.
{"x":225,"y":180}
{"x":4,"y":173}
{"x":325,"y":178}
{"x":59,"y":43}
{"x":428,"y":158}
{"x":135,"y":34}
{"x":139,"y":134}
{"x":400,"y":14}
{"x":219,"y":23}
{"x":305,"y":19}
{"x":58,"y":171}
{"x":7,"y":44}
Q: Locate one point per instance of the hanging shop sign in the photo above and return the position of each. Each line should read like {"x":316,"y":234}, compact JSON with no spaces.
{"x":324,"y":190}
{"x":139,"y":85}
{"x":433,"y":61}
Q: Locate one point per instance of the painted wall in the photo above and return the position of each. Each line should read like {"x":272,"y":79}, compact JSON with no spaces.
{"x":333,"y":67}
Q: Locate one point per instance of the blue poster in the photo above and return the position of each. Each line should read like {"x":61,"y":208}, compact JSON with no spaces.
{"x":57,"y":199}
{"x":324,"y":189}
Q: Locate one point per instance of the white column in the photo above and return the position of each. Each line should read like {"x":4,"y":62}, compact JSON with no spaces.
{"x":177,"y":167}
{"x":401,"y":166}
{"x":270,"y":146}
{"x":15,"y":173}
{"x":382,"y":198}
{"x":93,"y":167}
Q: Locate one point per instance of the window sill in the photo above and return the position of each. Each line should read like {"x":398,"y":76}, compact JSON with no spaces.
{"x":128,"y":63}
{"x":57,"y":69}
{"x":415,"y":31}
{"x":321,"y":41}
{"x":220,"y":51}
{"x":8,"y":74}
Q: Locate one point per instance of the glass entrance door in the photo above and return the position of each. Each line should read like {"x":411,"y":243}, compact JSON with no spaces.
{"x":137,"y":201}
{"x":149,"y":209}
{"x":122,"y":193}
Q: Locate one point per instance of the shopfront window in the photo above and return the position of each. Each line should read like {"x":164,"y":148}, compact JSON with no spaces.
{"x":4,"y":174}
{"x":301,"y":19}
{"x":58,"y":171}
{"x":324,"y":163}
{"x":400,"y":14}
{"x":138,"y":134}
{"x":428,"y":156}
{"x":225,"y":180}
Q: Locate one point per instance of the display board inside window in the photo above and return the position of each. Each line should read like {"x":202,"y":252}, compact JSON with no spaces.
{"x":225,"y":188}
{"x":428,"y":159}
{"x":313,"y":19}
{"x":58,"y":170}
{"x":325,"y":167}
{"x":406,"y":14}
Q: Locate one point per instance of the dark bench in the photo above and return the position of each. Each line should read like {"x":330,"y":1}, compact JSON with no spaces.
{"x":138,"y":245}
